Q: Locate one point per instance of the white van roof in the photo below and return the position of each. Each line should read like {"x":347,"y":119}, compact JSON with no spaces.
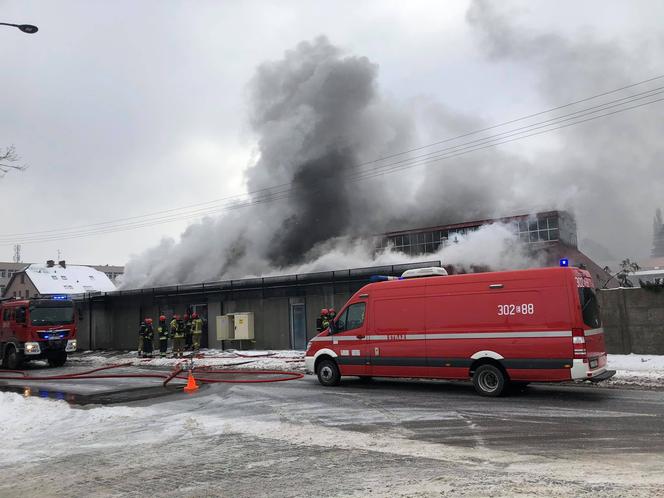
{"x":424,"y":272}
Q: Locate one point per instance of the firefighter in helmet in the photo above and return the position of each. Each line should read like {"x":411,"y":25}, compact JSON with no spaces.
{"x":196,"y":331}
{"x":148,"y":337}
{"x":177,"y":332}
{"x":141,"y":334}
{"x":325,"y":318}
{"x":162,"y":329}
{"x":187,"y":331}
{"x":331,"y":314}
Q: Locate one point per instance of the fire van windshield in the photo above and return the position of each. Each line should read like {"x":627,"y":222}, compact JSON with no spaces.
{"x":52,"y":316}
{"x":589,"y":307}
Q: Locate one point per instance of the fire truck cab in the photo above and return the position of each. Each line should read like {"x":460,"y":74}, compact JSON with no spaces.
{"x":499,"y":329}
{"x":40,"y":328}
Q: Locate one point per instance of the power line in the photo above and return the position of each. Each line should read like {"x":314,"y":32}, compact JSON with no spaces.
{"x":288,"y":193}
{"x":270,"y":194}
{"x":267,"y":189}
{"x":490,"y":142}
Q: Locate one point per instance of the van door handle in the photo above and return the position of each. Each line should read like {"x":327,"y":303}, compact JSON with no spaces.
{"x":360,"y":336}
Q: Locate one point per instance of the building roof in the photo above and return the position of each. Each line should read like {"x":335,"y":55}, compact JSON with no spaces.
{"x":72,"y":279}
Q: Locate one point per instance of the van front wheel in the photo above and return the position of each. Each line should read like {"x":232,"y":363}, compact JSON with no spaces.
{"x":328,"y":373}
{"x":489,"y":380}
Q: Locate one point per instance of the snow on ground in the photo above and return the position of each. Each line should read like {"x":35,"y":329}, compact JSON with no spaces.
{"x":637,"y":370}
{"x":631,"y":370}
{"x":253,"y":360}
{"x":237,"y":436}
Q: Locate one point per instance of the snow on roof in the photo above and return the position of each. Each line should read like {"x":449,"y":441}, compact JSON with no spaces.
{"x":70,"y":280}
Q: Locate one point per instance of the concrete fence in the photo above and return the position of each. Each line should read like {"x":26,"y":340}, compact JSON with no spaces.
{"x":633,"y":320}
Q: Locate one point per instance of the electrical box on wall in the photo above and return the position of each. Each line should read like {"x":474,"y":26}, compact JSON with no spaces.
{"x":244,"y":326}
{"x":235,"y":327}
{"x":225,"y":328}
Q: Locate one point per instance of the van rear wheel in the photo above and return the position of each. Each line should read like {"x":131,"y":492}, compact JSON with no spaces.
{"x":489,"y":380}
{"x":328,"y":373}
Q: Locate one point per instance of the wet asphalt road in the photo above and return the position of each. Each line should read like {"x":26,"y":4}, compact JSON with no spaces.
{"x":378,"y":438}
{"x":542,"y":420}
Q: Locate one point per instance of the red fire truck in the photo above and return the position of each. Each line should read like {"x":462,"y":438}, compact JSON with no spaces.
{"x":40,"y":328}
{"x":500,"y":329}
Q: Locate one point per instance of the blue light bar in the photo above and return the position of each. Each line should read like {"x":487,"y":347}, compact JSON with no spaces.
{"x":564,"y":262}
{"x":60,"y":297}
{"x":381,"y":278}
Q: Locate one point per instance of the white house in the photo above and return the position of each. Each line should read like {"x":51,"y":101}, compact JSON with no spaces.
{"x":51,"y":279}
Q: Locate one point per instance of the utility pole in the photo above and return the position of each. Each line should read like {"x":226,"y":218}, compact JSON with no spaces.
{"x":17,"y":253}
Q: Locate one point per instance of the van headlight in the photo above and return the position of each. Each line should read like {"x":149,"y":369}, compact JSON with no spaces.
{"x":31,"y":348}
{"x":71,"y":345}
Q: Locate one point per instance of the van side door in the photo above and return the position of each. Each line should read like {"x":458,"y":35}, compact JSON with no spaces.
{"x":398,"y":340}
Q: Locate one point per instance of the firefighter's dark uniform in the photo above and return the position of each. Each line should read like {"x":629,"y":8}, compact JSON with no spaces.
{"x":141,"y":338}
{"x":148,"y":337}
{"x":197,"y":332}
{"x":178,"y":337}
{"x":162,"y":330}
{"x":188,"y":336}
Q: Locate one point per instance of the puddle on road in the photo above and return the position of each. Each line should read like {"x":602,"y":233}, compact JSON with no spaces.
{"x":100,"y":398}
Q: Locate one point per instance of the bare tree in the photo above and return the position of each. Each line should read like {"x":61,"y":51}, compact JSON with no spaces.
{"x":626,"y":267}
{"x":8,"y":156}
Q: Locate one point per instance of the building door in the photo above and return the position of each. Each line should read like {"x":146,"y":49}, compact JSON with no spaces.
{"x":298,"y":323}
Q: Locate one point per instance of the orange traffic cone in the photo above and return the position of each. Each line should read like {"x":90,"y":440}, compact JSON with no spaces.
{"x":191,"y":383}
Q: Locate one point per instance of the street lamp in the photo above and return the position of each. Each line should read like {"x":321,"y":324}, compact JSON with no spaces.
{"x":26,"y":28}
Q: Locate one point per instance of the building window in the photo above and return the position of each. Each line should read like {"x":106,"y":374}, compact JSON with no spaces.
{"x":22,"y":278}
{"x":27,"y":293}
{"x":3,"y":273}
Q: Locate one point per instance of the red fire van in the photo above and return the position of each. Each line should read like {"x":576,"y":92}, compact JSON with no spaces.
{"x":500,"y":329}
{"x":40,"y":328}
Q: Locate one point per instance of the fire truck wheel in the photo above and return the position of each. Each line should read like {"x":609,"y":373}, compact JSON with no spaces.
{"x":12,"y":359}
{"x":489,"y":380}
{"x":57,"y":360}
{"x":328,"y":373}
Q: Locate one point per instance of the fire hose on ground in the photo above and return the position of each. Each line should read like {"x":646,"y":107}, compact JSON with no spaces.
{"x":177,"y":373}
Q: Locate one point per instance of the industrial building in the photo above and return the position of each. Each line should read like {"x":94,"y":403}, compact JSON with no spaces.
{"x":264,"y":313}
{"x":280,"y":312}
{"x":551,"y":235}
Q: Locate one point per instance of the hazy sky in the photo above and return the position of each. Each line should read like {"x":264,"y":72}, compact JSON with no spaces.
{"x":126,"y":107}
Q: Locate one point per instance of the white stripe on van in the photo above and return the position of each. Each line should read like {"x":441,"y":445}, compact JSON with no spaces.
{"x":466,"y":335}
{"x":593,"y":332}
